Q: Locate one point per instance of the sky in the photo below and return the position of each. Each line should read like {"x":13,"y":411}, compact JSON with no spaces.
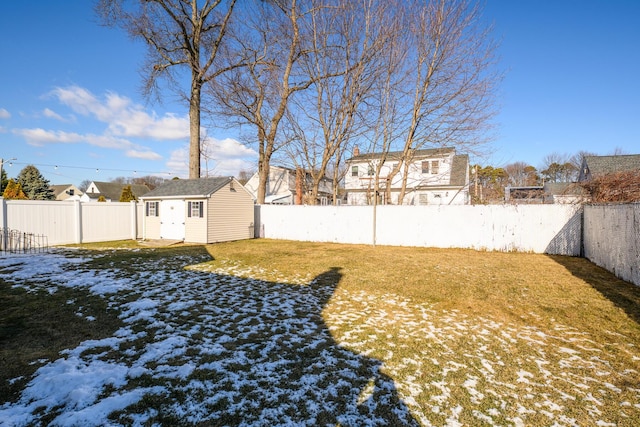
{"x":71,"y":104}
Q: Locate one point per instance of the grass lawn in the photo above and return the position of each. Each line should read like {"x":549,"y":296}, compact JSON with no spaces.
{"x":264,"y":332}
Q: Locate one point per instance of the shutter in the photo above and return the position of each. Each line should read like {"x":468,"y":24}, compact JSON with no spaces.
{"x":146,"y":209}
{"x":201,"y":209}
{"x":189,"y":209}
{"x":157,"y":208}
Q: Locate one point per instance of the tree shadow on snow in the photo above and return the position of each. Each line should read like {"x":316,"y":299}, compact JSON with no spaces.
{"x":267,"y":358}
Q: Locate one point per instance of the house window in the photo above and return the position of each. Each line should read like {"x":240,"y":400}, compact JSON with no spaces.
{"x":370,"y":170}
{"x":425,"y":166}
{"x":195,"y":209}
{"x":151,"y":208}
{"x":435,"y":166}
{"x":354,"y":171}
{"x":423,"y":199}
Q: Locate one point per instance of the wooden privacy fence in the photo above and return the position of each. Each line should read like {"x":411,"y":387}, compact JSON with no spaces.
{"x":64,"y":222}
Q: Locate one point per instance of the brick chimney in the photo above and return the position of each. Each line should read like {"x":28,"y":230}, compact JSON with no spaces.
{"x":356,"y":151}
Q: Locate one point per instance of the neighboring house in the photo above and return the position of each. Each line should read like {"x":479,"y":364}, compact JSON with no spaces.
{"x":551,"y":192}
{"x":66,"y":192}
{"x":111,"y":191}
{"x":597,"y":166}
{"x":287,"y":186}
{"x":205,"y":210}
{"x":436,"y":176}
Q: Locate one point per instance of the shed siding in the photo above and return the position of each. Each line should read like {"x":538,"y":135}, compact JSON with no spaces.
{"x":196,"y":228}
{"x":152,"y":227}
{"x":230,"y":214}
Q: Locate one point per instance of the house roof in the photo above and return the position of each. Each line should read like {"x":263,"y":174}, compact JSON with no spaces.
{"x":397,"y":155}
{"x":602,"y":165}
{"x":201,"y":187}
{"x":58,"y":189}
{"x":459,"y":170}
{"x":113,"y":190}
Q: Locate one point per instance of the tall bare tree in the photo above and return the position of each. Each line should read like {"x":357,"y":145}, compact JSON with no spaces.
{"x":180,"y":35}
{"x":450,"y":79}
{"x":347,"y":39}
{"x":272,"y":41}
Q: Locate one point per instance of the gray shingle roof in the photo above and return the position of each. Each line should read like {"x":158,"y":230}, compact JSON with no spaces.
{"x":189,"y":187}
{"x":113,"y":190}
{"x":602,"y":165}
{"x":395,"y":155}
{"x":459,"y":170}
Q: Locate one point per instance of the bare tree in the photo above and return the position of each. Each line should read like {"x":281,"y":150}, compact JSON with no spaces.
{"x":450,"y":80}
{"x":272,"y":42}
{"x":521,"y":174}
{"x":347,"y":41}
{"x":180,"y":34}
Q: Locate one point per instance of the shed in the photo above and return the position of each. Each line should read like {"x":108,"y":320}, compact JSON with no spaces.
{"x":205,"y":210}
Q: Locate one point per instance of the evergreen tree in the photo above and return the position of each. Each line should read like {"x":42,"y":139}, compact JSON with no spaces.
{"x":34,"y":185}
{"x":3,"y":180}
{"x":14,"y":191}
{"x":127,"y":194}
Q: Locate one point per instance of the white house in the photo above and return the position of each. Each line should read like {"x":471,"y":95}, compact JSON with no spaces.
{"x":287,"y":186}
{"x":435,"y":176}
{"x":205,"y":210}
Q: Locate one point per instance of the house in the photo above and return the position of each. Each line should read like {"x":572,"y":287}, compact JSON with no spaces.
{"x":436,"y":176}
{"x":550,"y":192}
{"x":111,"y":191}
{"x":287,"y":186}
{"x":597,"y":166}
{"x":205,"y":210}
{"x":66,"y":192}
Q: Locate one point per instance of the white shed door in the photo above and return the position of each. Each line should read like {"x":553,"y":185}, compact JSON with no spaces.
{"x":172,"y":214}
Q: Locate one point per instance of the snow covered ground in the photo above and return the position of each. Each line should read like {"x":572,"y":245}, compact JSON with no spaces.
{"x":208,"y":346}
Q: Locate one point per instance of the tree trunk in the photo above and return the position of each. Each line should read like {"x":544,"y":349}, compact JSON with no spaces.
{"x":194,"y":129}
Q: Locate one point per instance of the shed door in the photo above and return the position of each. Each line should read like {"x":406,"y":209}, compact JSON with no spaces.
{"x":172,"y":219}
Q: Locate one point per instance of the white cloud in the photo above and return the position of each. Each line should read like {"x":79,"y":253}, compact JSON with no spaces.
{"x":4,"y":114}
{"x":146,"y":155}
{"x":122,"y":116}
{"x":227,"y":149}
{"x":220,"y":158}
{"x":53,"y":115}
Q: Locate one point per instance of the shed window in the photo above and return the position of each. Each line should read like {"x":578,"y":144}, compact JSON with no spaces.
{"x":151,"y":208}
{"x":195,"y":209}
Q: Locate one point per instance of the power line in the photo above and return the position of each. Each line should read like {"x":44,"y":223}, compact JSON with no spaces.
{"x":96,"y":169}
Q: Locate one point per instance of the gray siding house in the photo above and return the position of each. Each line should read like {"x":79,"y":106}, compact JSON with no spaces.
{"x":206,"y":210}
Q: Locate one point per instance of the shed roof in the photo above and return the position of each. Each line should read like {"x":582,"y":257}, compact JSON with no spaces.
{"x":201,"y":187}
{"x":602,"y":165}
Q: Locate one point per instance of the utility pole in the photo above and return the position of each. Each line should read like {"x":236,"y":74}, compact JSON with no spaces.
{"x":1,"y":164}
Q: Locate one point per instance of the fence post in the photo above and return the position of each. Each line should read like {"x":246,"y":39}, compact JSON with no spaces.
{"x":3,"y":208}
{"x":134,"y":219}
{"x":78,"y":220}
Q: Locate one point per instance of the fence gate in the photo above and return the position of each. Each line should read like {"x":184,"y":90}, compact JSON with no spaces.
{"x":14,"y":241}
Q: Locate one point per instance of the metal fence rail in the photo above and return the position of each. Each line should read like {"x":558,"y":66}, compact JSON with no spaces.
{"x":14,"y":241}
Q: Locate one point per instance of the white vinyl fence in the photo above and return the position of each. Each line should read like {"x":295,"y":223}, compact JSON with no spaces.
{"x":73,"y":222}
{"x":552,"y":229}
{"x":612,"y":239}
